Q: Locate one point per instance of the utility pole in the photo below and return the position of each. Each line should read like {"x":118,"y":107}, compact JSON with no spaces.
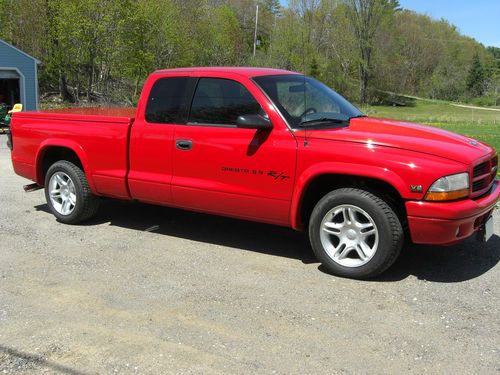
{"x":255,"y":33}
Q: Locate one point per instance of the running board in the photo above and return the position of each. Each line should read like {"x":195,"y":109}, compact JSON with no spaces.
{"x":32,"y":187}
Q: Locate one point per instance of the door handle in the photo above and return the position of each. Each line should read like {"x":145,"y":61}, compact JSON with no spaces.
{"x":184,"y":145}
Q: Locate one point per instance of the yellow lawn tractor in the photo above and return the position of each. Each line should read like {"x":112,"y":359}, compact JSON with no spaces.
{"x":6,"y":123}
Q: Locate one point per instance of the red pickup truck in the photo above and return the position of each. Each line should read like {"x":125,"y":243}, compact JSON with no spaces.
{"x":267,"y":145}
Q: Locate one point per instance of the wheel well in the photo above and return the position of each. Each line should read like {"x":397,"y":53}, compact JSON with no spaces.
{"x":54,"y":154}
{"x":322,"y":185}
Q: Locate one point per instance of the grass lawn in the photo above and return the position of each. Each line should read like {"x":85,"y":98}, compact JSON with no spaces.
{"x":480,"y":124}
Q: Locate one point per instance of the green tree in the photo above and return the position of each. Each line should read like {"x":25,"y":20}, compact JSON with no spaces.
{"x":314,"y":68}
{"x":366,"y":16}
{"x":221,"y":36}
{"x":494,"y":84}
{"x":476,"y":77}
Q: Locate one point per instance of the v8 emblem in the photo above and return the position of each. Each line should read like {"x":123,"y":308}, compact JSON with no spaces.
{"x":416,"y":188}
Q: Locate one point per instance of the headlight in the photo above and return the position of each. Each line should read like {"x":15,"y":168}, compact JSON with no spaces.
{"x":449,"y":188}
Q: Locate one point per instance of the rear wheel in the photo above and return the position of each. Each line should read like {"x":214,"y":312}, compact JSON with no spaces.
{"x":68,"y":194}
{"x":355,"y":233}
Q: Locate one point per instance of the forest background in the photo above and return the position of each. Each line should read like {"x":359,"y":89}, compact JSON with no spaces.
{"x":371,"y":51}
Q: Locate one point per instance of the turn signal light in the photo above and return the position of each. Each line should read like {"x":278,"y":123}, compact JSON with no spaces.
{"x":446,"y":195}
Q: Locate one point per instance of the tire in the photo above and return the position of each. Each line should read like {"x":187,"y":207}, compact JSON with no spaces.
{"x":66,"y":184}
{"x":355,"y":234}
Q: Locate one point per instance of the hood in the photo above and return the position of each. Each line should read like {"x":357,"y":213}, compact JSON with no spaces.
{"x":408,"y":136}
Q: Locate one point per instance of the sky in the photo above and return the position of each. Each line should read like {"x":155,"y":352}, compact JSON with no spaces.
{"x":479,"y":19}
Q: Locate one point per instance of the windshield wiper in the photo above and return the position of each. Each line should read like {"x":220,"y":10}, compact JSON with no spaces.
{"x":358,"y":116}
{"x":321,"y":121}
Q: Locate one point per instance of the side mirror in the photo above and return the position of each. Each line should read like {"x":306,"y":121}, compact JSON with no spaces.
{"x":254,"y":122}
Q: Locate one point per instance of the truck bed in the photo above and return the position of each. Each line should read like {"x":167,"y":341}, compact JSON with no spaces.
{"x":98,"y":136}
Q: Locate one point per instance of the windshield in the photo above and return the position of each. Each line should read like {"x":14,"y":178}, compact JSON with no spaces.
{"x":301,"y":99}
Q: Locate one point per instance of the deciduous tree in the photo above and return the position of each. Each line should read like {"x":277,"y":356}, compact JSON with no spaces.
{"x":365,"y":17}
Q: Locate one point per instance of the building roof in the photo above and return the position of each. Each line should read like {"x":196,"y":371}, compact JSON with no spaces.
{"x":18,"y":50}
{"x":244,"y":71}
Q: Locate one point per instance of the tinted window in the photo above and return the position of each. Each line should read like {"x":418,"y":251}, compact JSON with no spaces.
{"x":167,"y":101}
{"x":221,"y":101}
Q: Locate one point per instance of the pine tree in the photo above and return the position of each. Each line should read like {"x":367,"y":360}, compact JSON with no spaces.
{"x":314,"y":68}
{"x":476,"y":77}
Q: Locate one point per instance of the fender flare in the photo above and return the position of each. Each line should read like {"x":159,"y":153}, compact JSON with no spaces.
{"x":64,"y":143}
{"x":329,"y":168}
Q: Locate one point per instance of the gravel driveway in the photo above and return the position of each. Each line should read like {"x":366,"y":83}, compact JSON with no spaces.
{"x":153,"y":290}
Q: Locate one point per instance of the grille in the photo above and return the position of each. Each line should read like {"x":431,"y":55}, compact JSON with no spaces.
{"x":483,"y":176}
{"x":480,"y":169}
{"x":477,"y":185}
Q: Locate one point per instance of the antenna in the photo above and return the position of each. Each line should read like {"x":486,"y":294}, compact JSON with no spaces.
{"x":305,"y":103}
{"x":304,"y":74}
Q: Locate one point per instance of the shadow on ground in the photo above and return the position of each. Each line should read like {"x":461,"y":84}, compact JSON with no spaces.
{"x":217,"y":230}
{"x":462,"y":262}
{"x":19,"y":362}
{"x":446,"y":264}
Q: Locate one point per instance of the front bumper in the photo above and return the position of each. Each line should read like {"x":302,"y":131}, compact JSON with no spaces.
{"x":446,"y":223}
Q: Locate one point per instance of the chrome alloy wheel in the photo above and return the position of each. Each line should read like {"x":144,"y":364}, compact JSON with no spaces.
{"x":62,"y":193}
{"x":349,"y":235}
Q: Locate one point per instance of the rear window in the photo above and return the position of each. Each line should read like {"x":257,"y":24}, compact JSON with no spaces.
{"x":167,"y":101}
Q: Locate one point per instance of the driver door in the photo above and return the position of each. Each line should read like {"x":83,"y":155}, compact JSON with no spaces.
{"x":220,"y":168}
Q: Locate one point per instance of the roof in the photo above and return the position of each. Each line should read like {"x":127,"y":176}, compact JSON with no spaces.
{"x":18,"y":50}
{"x":241,"y":70}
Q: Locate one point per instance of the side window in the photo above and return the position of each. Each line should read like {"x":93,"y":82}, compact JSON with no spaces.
{"x":220,"y":101}
{"x":167,"y":101}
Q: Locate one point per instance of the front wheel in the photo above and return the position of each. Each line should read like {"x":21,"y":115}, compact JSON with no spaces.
{"x":68,"y":194}
{"x":355,"y":233}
